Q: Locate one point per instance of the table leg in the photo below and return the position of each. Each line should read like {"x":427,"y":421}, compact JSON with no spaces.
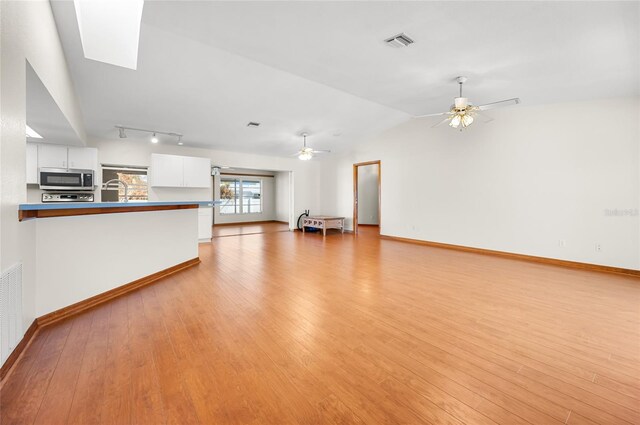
{"x":324,"y":230}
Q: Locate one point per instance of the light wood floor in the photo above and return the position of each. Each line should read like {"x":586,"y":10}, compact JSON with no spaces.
{"x":248,"y":228}
{"x":286,"y":328}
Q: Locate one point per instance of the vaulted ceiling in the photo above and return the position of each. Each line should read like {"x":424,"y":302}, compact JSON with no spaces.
{"x":205,"y":69}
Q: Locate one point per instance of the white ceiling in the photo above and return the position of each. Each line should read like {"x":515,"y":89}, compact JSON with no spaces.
{"x":205,"y":69}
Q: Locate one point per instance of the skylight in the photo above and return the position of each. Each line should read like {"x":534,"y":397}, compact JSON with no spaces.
{"x":32,"y":134}
{"x":110,"y":30}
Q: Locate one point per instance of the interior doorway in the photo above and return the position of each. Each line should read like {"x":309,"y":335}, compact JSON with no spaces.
{"x":251,"y":201}
{"x":366,"y":195}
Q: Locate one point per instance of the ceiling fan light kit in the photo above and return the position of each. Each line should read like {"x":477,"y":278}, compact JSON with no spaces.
{"x":462,"y":113}
{"x":306,"y":153}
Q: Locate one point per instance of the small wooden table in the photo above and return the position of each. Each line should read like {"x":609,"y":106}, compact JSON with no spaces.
{"x":324,"y":223}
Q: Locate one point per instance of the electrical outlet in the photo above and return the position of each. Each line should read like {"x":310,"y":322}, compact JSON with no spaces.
{"x":598,"y":247}
{"x":561,"y":243}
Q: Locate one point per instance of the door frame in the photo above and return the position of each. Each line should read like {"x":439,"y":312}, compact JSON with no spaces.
{"x":355,"y":192}
{"x":291,"y":201}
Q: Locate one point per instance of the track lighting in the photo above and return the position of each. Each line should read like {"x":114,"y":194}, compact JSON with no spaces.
{"x":154,"y":133}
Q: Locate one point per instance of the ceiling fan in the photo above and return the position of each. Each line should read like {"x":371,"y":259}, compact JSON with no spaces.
{"x":463,"y":113}
{"x":306,"y":152}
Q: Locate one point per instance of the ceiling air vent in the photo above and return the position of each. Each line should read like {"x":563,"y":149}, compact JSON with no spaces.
{"x":400,"y":40}
{"x":253,"y":124}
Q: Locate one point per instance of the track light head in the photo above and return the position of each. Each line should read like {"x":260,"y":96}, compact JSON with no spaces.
{"x":154,"y":133}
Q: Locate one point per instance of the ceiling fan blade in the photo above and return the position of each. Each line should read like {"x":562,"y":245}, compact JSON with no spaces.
{"x":499,"y":104}
{"x":484,"y":117}
{"x":430,"y":115}
{"x":441,"y":122}
{"x":321,"y":151}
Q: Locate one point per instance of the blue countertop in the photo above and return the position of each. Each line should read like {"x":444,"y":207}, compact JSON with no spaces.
{"x":77,"y":205}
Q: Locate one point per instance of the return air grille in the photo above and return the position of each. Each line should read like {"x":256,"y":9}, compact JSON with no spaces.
{"x":400,"y":40}
{"x":10,"y":310}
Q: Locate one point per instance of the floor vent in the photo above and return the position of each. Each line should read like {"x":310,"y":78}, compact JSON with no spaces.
{"x":10,"y":310}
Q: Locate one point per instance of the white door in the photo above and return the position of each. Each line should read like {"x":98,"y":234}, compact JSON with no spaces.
{"x":83,"y":158}
{"x":167,"y":170}
{"x":52,"y":156}
{"x":197,"y":172}
{"x":32,"y":163}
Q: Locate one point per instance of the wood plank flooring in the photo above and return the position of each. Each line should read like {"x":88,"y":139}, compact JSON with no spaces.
{"x":286,"y":328}
{"x":248,"y":228}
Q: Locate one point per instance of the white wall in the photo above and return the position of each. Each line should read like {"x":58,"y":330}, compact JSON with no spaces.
{"x":282,"y":196}
{"x":368,"y":194}
{"x":27,"y":32}
{"x":109,"y":250}
{"x":533,"y":177}
{"x":268,"y":197}
{"x":306,"y":192}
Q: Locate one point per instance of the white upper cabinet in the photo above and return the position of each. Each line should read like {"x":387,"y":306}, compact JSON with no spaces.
{"x":42,"y":155}
{"x":167,"y":170}
{"x":180,"y":171}
{"x":197,"y":172}
{"x":52,"y":156}
{"x":83,"y":158}
{"x":32,"y":163}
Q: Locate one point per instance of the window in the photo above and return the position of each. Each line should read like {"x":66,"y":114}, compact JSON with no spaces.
{"x":136,"y":179}
{"x":251,"y":196}
{"x":240,"y":196}
{"x":229,"y":195}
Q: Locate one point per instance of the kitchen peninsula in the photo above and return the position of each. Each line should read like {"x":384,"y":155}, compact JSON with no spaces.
{"x":87,"y":250}
{"x":62,"y":209}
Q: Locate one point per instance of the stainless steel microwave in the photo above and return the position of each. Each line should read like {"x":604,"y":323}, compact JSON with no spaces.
{"x":65,"y":179}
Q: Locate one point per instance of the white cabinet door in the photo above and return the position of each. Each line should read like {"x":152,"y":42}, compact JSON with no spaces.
{"x":167,"y":170}
{"x":197,"y":172}
{"x":83,"y":158}
{"x":32,"y":163}
{"x":52,"y":156}
{"x":205,"y":222}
